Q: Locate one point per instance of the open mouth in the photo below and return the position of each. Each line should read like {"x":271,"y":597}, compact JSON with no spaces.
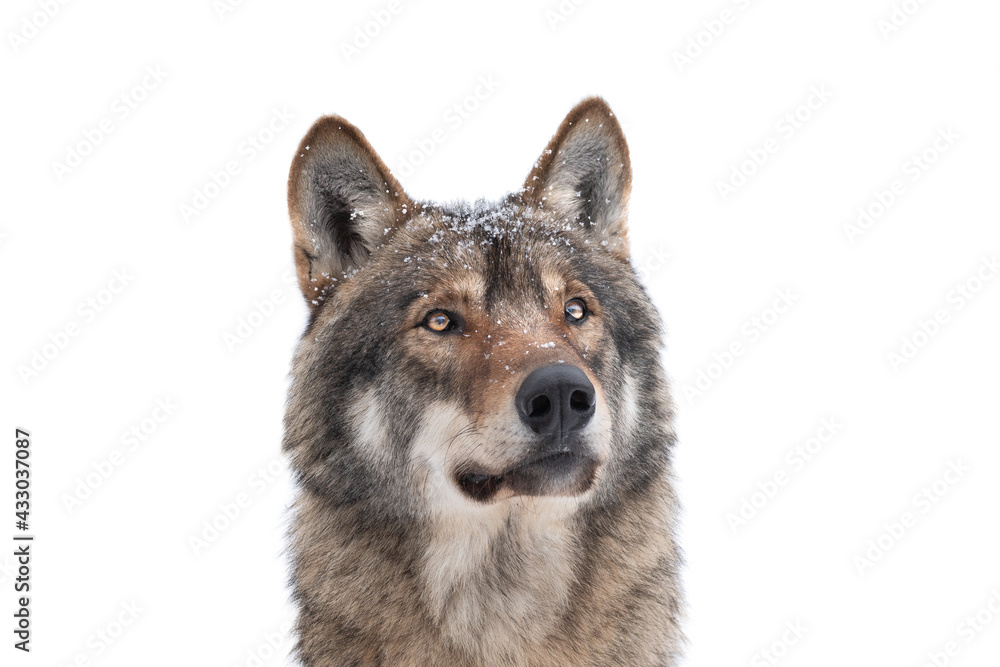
{"x":555,"y":474}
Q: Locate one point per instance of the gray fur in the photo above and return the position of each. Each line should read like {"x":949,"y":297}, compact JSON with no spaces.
{"x":391,"y":564}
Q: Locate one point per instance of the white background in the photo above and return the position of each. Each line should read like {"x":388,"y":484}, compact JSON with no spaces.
{"x":711,"y":266}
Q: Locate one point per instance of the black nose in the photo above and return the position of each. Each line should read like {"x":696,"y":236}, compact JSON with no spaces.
{"x":556,"y":400}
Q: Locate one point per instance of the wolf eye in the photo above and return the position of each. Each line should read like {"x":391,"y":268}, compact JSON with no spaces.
{"x":439,"y":321}
{"x":576,"y":310}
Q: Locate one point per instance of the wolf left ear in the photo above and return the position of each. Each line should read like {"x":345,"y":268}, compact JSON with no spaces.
{"x":584,"y":175}
{"x":343,"y":202}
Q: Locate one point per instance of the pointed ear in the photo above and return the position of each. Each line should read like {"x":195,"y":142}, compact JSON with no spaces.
{"x":584,"y":175}
{"x":343,"y":202}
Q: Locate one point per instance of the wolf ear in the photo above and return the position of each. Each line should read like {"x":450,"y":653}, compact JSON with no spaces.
{"x":343,"y":202}
{"x":584,"y":175}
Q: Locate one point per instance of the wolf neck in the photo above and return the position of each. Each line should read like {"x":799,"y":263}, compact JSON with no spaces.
{"x":539,"y":582}
{"x":498,"y":580}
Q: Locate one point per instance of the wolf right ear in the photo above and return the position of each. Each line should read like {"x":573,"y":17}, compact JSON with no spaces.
{"x":343,"y":202}
{"x":584,"y":175}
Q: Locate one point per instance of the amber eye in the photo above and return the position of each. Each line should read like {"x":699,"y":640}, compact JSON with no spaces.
{"x":439,"y":321}
{"x":576,"y":310}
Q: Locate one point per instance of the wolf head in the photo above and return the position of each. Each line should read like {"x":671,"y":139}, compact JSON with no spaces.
{"x":477,"y":418}
{"x":469,"y":354}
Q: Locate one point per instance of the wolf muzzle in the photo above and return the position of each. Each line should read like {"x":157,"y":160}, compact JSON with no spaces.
{"x":555,"y":402}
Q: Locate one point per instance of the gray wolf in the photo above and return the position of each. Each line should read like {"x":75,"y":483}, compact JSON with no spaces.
{"x":478,"y":423}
